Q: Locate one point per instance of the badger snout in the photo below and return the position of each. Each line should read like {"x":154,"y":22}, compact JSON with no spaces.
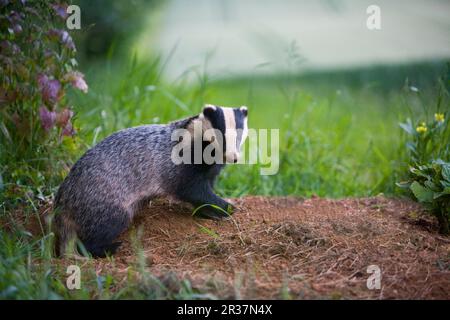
{"x":231,"y":157}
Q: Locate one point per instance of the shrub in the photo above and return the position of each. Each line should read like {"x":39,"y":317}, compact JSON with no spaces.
{"x":37,"y":67}
{"x":429,"y":162}
{"x":431,"y":186}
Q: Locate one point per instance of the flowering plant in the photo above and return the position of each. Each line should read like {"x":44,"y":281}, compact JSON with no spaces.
{"x":37,"y":68}
{"x":429,"y":166}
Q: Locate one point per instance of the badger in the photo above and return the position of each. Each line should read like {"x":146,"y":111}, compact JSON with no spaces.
{"x":113,"y":180}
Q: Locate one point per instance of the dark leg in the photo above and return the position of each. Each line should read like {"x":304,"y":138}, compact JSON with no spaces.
{"x":65,"y":230}
{"x":203,"y":195}
{"x":102,"y":227}
{"x":101,"y":251}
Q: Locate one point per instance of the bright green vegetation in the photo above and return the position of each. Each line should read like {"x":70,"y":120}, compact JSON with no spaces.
{"x":429,"y":172}
{"x":339,"y":133}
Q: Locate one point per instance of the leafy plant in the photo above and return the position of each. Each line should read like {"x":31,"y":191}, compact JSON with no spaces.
{"x":427,"y":141}
{"x":429,"y":167}
{"x":37,"y":67}
{"x":430,"y":185}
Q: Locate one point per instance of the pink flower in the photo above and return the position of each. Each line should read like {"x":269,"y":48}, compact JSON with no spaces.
{"x":50,"y":89}
{"x":63,"y":117}
{"x":17,"y":28}
{"x":66,"y":40}
{"x":77,"y":80}
{"x":68,"y":130}
{"x":63,"y":36}
{"x":61,"y":10}
{"x":48,"y":118}
{"x":80,"y":84}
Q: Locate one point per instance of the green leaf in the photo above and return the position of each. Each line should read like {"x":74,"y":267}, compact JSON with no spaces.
{"x":430,"y":185}
{"x":425,"y":168}
{"x":407,"y":126}
{"x":441,"y":162}
{"x":208,"y":231}
{"x":229,"y":208}
{"x":421,"y":193}
{"x":411,"y":146}
{"x":445,"y":183}
{"x":403,"y":184}
{"x":419,"y":173}
{"x":446,"y":171}
{"x":446,"y":192}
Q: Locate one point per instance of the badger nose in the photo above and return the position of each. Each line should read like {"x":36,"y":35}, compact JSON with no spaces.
{"x":232,"y":158}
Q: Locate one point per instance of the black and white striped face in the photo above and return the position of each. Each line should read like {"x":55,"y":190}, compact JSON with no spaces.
{"x":232,"y":124}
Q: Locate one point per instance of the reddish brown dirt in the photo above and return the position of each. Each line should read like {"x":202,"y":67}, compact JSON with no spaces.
{"x":293,"y":248}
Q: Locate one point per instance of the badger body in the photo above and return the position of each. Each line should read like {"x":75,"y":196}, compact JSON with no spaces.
{"x":113,"y":180}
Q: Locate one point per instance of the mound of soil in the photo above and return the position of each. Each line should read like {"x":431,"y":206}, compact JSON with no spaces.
{"x":293,"y":248}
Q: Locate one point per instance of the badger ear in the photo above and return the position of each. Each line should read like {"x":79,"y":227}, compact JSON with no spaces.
{"x":244,"y":110}
{"x":209,"y":110}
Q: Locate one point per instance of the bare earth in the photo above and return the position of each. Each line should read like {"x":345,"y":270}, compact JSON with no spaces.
{"x":292,"y":248}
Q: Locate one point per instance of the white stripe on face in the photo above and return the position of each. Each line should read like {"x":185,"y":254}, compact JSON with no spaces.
{"x":244,"y":133}
{"x":230,"y":122}
{"x":231,"y":152}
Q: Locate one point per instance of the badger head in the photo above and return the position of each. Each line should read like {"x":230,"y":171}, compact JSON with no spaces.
{"x":229,"y":129}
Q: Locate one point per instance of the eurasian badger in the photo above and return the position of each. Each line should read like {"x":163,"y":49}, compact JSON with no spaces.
{"x":111,"y":181}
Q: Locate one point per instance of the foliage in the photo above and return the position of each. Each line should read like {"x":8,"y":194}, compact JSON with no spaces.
{"x":431,"y":185}
{"x":427,"y":140}
{"x":109,"y":25}
{"x":37,"y":67}
{"x":429,"y":160}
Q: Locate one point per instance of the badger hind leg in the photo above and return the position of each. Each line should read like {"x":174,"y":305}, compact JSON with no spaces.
{"x":100,"y":229}
{"x":66,"y":234}
{"x":103,"y":250}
